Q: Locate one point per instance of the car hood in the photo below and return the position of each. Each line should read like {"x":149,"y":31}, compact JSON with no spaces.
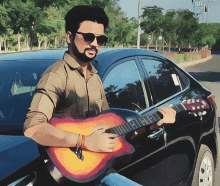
{"x":16,"y":152}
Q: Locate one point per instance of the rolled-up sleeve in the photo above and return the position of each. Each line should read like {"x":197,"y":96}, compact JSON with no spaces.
{"x":47,"y":94}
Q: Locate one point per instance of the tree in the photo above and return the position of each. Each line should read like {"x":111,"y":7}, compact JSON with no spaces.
{"x":144,"y":39}
{"x":169,"y":26}
{"x":49,"y":24}
{"x":22,"y":15}
{"x":152,"y":21}
{"x":188,"y":25}
{"x":3,"y":24}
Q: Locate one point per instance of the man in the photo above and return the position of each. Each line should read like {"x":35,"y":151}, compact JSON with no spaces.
{"x":71,"y":87}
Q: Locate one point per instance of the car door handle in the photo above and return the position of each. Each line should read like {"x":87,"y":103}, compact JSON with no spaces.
{"x":156,"y":133}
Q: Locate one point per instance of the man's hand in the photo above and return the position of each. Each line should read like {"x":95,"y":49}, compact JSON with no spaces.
{"x":169,"y":117}
{"x":99,"y":141}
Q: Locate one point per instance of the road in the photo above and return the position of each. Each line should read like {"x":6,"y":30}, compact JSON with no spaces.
{"x":208,"y":74}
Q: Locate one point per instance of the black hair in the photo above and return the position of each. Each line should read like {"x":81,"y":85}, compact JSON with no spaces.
{"x":82,"y":13}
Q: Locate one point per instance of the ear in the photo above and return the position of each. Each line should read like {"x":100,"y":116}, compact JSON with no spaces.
{"x":69,"y":37}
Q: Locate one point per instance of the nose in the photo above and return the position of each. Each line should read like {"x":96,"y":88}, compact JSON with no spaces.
{"x":95,"y":43}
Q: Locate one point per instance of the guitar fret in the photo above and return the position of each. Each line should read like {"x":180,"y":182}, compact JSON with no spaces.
{"x":143,"y":121}
{"x":149,"y":119}
{"x":123,"y":130}
{"x":114,"y":131}
{"x":145,"y":118}
{"x":157,"y":117}
{"x":133,"y":125}
{"x":118,"y":128}
{"x":176,"y":108}
{"x":152,"y":117}
{"x":181,"y":108}
{"x":138,"y":123}
{"x":129,"y":126}
{"x":126,"y":127}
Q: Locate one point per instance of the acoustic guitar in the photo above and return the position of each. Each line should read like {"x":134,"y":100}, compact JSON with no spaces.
{"x":85,"y":166}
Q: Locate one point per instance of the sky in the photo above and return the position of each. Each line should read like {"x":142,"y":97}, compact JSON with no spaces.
{"x":130,"y":7}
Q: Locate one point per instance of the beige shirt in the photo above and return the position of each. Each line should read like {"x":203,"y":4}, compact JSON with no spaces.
{"x":63,"y":92}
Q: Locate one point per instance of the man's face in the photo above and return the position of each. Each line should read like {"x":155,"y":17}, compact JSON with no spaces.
{"x":83,"y":51}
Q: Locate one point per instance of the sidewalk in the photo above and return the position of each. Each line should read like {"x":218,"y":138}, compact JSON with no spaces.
{"x":186,"y":64}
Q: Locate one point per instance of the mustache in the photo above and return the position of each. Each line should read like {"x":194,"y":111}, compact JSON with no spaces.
{"x":92,"y":47}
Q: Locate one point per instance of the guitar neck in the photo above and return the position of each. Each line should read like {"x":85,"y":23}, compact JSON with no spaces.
{"x":141,"y":122}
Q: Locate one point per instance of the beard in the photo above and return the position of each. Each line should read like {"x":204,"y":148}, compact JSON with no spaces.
{"x":82,"y":56}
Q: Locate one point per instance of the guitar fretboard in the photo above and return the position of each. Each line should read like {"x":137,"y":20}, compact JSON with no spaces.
{"x":140,"y":122}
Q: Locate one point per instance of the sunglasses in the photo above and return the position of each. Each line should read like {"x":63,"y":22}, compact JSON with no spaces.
{"x":90,"y":37}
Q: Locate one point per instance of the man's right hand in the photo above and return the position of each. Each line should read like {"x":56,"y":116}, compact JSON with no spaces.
{"x":99,"y":141}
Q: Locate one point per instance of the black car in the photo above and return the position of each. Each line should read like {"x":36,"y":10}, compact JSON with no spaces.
{"x":135,"y":80}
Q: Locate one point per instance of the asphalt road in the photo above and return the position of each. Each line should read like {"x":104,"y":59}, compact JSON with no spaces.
{"x":208,"y":74}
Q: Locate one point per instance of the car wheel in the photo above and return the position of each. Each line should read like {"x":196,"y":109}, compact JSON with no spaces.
{"x":204,"y":170}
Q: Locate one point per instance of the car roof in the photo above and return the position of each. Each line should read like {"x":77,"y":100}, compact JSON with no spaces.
{"x":34,"y":55}
{"x":108,"y":57}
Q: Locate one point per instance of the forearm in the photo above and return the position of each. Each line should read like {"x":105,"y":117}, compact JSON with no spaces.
{"x":47,"y":135}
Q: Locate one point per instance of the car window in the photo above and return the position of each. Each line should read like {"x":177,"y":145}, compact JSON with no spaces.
{"x":123,"y":87}
{"x":184,"y":79}
{"x":17,"y":85}
{"x":163,"y":79}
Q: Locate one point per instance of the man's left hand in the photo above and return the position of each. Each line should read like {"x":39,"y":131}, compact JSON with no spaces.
{"x":169,"y":117}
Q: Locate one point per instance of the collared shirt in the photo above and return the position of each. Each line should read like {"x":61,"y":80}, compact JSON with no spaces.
{"x":62,"y":91}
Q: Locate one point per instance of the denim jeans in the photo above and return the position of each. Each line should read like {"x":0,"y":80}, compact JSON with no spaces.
{"x":115,"y":179}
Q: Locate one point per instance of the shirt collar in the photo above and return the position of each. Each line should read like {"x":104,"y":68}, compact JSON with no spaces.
{"x":73,"y":63}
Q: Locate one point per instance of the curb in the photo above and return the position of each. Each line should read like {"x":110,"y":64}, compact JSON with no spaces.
{"x":191,"y":63}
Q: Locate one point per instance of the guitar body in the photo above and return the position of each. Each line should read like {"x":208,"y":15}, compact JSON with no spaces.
{"x":94,"y":163}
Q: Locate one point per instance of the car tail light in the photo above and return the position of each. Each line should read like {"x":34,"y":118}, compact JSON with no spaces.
{"x":212,"y":99}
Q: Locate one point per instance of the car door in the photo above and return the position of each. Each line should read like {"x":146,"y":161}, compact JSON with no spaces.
{"x":124,"y":86}
{"x":170,"y":85}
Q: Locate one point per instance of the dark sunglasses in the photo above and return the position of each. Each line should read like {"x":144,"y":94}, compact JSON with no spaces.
{"x":90,"y":37}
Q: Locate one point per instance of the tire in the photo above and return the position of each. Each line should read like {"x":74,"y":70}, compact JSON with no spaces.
{"x":204,"y":170}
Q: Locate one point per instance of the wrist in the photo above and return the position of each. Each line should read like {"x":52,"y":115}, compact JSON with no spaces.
{"x":83,"y":142}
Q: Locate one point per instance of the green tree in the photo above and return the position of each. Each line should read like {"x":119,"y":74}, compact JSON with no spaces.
{"x":22,"y":15}
{"x":152,"y":21}
{"x":169,"y":27}
{"x":187,"y":26}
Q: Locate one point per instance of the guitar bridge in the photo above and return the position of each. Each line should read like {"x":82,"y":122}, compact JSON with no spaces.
{"x":78,"y":152}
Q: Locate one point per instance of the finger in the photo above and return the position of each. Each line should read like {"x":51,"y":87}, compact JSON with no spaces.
{"x":110,"y":135}
{"x":106,"y":150}
{"x":162,"y":111}
{"x":113,"y":141}
{"x":171,"y":105}
{"x":160,"y":123}
{"x":111,"y":146}
{"x":100,"y":128}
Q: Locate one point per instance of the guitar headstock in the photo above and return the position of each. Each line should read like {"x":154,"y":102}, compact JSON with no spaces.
{"x":195,"y":104}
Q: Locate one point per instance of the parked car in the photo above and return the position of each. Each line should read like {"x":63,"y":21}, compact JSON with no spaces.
{"x":135,"y":80}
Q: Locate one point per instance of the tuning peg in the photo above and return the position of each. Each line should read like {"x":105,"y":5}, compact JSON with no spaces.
{"x":188,"y":101}
{"x":193,"y":100}
{"x":197,"y":100}
{"x":195,"y":114}
{"x":204,"y":113}
{"x":193,"y":107}
{"x":198,"y":107}
{"x":203,"y":102}
{"x":200,"y":113}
